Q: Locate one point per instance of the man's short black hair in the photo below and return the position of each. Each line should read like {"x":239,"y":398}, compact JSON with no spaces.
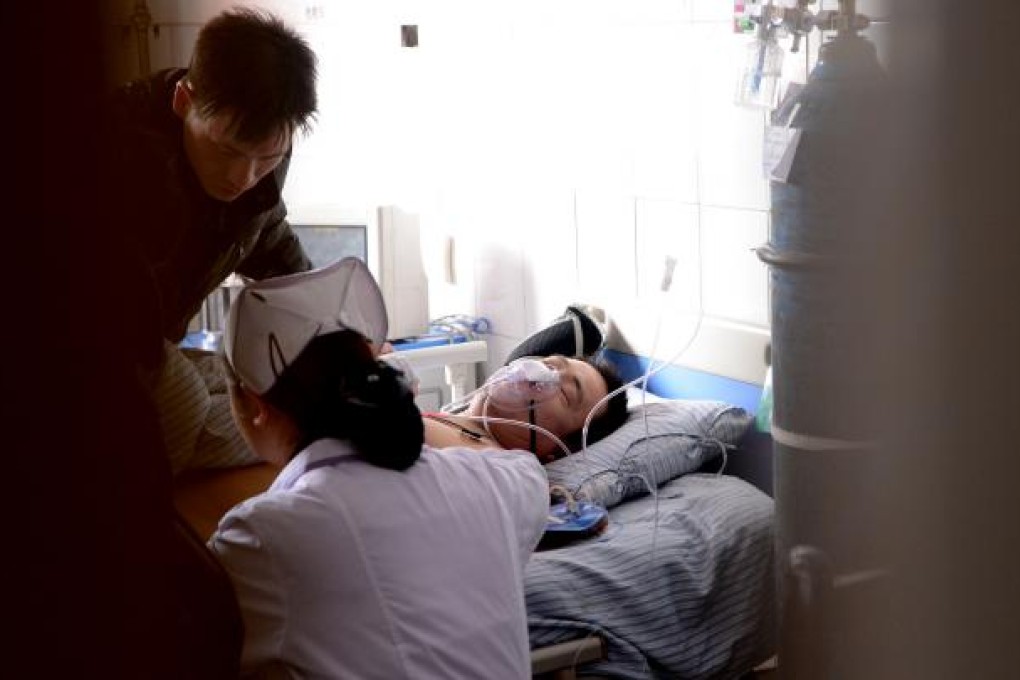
{"x":615,"y":413}
{"x":249,"y":63}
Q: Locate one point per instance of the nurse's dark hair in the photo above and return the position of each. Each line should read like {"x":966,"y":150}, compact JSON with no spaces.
{"x":337,"y":389}
{"x":250,"y":64}
{"x":615,"y":413}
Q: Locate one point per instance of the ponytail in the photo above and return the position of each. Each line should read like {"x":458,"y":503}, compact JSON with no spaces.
{"x":383,"y":422}
{"x":337,"y":389}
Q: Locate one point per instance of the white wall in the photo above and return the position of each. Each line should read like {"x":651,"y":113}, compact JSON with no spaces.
{"x":586,"y":141}
{"x":565,"y":147}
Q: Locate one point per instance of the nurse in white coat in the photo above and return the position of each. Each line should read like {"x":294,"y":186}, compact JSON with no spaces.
{"x":371,"y":555}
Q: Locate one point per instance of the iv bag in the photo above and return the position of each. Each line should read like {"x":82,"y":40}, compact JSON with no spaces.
{"x":760,"y":79}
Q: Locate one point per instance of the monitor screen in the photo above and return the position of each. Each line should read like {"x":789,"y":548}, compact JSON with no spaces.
{"x":326,"y":243}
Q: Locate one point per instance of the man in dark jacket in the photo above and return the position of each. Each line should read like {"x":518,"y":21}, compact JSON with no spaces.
{"x":201,"y":158}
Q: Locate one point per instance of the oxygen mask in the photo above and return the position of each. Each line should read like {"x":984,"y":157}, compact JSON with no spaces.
{"x":521,"y":384}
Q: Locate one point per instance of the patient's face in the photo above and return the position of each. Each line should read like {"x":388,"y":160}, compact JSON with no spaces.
{"x":581,"y":387}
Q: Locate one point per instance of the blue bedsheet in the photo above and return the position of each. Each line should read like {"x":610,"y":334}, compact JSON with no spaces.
{"x":687,"y":595}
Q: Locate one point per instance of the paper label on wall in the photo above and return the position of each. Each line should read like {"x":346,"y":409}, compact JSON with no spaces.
{"x":780,"y":149}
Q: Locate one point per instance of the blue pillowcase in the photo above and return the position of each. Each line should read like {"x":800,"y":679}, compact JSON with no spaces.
{"x":681,"y":435}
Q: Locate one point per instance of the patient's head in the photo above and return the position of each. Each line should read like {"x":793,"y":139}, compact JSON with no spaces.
{"x":582,"y":384}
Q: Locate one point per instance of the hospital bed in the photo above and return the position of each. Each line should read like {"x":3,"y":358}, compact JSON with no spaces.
{"x":681,"y":582}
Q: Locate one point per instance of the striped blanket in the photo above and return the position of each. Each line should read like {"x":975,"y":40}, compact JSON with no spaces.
{"x":680,"y":585}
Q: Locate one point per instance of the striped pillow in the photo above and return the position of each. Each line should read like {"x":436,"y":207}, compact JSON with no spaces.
{"x":676,"y":437}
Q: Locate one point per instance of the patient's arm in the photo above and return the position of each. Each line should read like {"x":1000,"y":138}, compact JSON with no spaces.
{"x":202,"y":497}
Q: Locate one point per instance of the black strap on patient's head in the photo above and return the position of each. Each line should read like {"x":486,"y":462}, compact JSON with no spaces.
{"x":574,"y":334}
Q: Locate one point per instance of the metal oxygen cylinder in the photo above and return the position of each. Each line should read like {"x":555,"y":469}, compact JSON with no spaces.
{"x":826,"y":476}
